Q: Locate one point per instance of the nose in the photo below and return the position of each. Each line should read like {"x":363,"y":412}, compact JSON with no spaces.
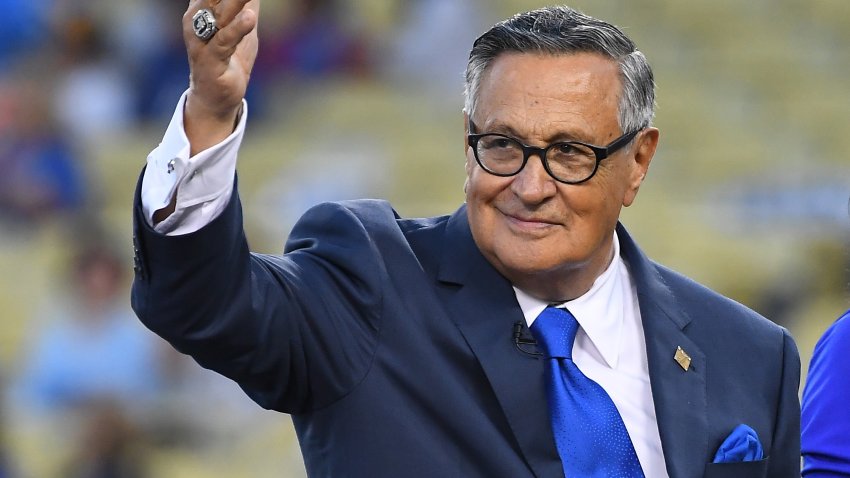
{"x":533,"y":184}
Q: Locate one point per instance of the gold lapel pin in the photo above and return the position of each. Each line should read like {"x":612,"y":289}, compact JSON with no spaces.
{"x":683,"y":359}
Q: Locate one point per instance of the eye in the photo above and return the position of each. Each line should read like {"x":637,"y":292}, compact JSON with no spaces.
{"x":571,"y":152}
{"x":497,"y":142}
{"x":565,"y":148}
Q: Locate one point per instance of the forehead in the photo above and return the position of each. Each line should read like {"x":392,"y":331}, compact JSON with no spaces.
{"x":542,"y":94}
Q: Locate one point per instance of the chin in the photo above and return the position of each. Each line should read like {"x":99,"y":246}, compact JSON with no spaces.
{"x":530,"y":264}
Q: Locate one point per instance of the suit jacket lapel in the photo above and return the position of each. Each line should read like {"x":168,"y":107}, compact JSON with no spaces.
{"x":679,"y":395}
{"x":484,"y":307}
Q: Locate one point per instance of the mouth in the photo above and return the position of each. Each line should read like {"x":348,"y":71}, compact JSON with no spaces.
{"x":528,"y":223}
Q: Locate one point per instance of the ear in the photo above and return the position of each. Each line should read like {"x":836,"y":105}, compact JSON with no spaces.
{"x":642,"y":152}
{"x":469,"y":160}
{"x":465,"y":130}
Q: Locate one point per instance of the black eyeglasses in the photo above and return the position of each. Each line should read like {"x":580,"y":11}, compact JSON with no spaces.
{"x":570,"y":162}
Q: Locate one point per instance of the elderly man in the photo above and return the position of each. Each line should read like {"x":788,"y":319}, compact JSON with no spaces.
{"x":525,"y":334}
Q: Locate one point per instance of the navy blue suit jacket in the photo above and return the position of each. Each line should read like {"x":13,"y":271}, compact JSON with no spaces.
{"x":390,"y":342}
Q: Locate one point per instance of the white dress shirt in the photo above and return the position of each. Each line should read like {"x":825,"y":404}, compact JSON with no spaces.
{"x":609,"y":346}
{"x":204,"y":182}
{"x":610,"y":349}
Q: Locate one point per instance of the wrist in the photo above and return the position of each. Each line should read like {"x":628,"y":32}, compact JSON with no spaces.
{"x":206,"y":127}
{"x":199,"y":110}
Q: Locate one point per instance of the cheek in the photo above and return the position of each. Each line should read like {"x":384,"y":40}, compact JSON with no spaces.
{"x":482,"y":187}
{"x":473,"y":193}
{"x":597,"y":208}
{"x":593,"y":207}
{"x":483,"y":192}
{"x":610,"y":186}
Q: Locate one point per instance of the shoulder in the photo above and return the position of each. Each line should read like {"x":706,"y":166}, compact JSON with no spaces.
{"x":362,"y":224}
{"x":695,"y":296}
{"x":705,"y":313}
{"x":372,"y":214}
{"x":837,"y":334}
{"x":832,"y":344}
{"x":364,"y":211}
{"x":721,"y":325}
{"x":354,"y":223}
{"x":744,"y":351}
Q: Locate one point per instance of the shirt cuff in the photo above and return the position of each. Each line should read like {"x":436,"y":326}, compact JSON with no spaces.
{"x":204,"y":182}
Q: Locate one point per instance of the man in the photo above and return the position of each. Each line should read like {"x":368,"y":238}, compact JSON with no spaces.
{"x":523,"y":335}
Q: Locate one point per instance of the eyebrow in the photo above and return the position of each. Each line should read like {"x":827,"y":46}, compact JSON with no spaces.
{"x":508,"y":130}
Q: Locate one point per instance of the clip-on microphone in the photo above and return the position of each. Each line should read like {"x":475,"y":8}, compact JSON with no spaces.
{"x":523,"y":341}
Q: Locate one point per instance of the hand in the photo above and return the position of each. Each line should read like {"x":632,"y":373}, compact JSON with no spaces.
{"x":220,"y":69}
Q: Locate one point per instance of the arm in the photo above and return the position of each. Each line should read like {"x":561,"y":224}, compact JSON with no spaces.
{"x":826,"y":414}
{"x":296,"y":331}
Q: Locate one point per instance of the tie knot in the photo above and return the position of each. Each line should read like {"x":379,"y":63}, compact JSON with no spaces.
{"x":555,"y":330}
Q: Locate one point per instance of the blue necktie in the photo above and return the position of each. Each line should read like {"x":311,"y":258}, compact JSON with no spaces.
{"x":589,"y":432}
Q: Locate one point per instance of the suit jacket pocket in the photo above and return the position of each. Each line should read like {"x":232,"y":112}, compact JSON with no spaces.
{"x":744,"y":469}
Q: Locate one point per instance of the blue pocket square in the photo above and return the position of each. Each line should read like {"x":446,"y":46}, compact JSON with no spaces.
{"x":741,"y":445}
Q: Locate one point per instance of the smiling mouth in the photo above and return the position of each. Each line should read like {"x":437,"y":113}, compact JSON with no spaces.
{"x":528,"y":224}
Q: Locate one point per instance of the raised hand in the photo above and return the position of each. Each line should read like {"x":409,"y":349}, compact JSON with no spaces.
{"x":220,"y":69}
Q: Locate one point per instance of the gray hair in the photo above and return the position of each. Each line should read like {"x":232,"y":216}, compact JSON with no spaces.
{"x":562,"y":30}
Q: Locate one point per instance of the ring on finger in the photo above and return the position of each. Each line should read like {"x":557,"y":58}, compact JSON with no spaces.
{"x":204,"y":24}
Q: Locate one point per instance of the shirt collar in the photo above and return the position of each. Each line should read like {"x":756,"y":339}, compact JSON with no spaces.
{"x":599,"y":311}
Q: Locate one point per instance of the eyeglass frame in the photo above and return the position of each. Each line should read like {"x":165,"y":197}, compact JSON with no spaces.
{"x":600,"y":152}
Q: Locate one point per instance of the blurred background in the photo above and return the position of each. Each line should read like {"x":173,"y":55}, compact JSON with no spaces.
{"x":748,"y":192}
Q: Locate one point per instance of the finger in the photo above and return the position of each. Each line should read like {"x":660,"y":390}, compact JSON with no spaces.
{"x":226,"y":10}
{"x":188,"y":30}
{"x":194,"y":6}
{"x":224,"y":43}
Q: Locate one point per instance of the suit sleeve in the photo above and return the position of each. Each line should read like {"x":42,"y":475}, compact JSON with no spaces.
{"x":296,"y":331}
{"x":785,"y":455}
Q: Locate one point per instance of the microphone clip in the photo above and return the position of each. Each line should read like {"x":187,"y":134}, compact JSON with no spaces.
{"x":523,"y":341}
